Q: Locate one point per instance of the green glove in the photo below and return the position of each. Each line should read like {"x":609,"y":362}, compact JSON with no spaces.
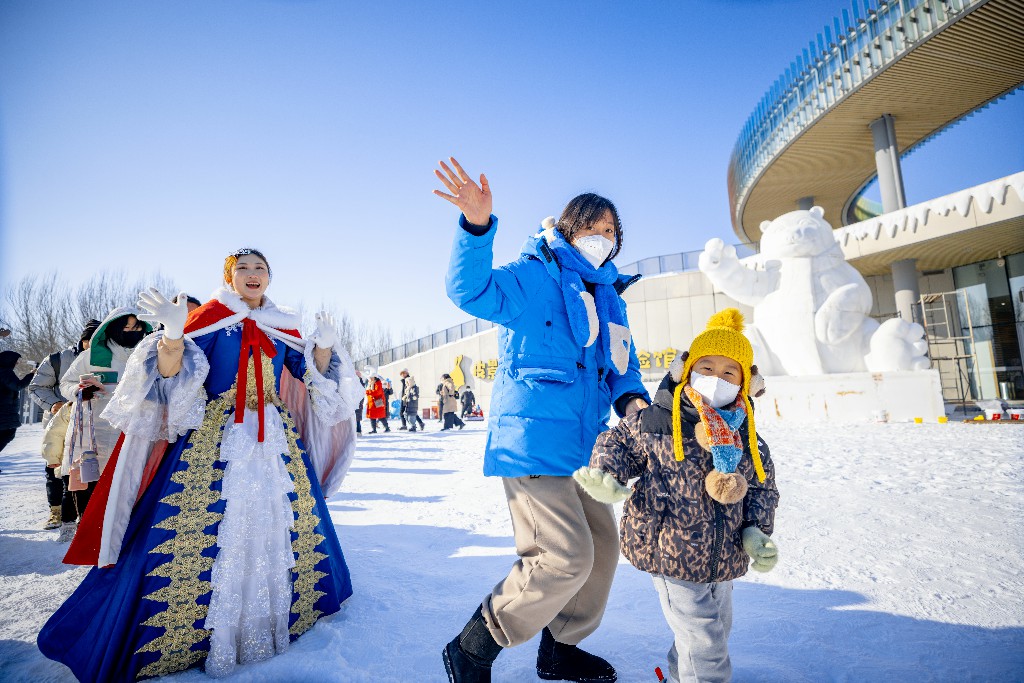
{"x":602,"y":486}
{"x":761,"y":548}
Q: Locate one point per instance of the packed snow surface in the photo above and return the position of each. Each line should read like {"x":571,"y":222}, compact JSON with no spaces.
{"x":900,"y":544}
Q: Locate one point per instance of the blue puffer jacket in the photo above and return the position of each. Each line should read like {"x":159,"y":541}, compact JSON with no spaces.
{"x":551,"y":397}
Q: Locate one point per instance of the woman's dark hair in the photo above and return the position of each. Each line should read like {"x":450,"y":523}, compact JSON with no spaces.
{"x":115,"y":330}
{"x":582,"y":212}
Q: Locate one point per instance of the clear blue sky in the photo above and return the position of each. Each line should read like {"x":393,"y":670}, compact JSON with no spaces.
{"x":161,"y":135}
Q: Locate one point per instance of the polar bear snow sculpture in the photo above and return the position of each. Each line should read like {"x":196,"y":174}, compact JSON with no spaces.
{"x":811,"y":307}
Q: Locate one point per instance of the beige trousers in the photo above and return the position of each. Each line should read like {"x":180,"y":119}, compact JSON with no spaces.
{"x":568,"y":547}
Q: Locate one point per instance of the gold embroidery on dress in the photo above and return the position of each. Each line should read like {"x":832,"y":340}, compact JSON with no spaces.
{"x":305,"y":573}
{"x":270,"y":396}
{"x":190,"y":539}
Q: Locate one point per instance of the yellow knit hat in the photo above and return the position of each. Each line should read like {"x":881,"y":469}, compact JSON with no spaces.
{"x":723,"y":337}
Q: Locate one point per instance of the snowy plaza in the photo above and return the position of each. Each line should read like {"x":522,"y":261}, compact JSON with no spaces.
{"x":901,"y":552}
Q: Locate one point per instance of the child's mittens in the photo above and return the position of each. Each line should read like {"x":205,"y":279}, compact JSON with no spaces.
{"x":602,"y":486}
{"x":761,"y":548}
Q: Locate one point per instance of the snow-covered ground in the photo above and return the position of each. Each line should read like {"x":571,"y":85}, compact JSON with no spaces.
{"x":902,"y":550}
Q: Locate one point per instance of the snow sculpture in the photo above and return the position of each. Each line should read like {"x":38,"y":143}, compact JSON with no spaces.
{"x":811,"y":307}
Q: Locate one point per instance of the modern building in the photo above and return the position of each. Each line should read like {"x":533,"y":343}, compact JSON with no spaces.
{"x":879,"y":81}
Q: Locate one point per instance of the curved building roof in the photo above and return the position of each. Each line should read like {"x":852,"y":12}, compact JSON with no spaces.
{"x":928,"y":63}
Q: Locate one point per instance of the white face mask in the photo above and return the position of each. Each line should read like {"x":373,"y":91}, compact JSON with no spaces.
{"x":716,"y":392}
{"x":594,"y":248}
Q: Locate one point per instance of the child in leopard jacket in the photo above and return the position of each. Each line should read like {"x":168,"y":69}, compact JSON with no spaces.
{"x":704,"y":504}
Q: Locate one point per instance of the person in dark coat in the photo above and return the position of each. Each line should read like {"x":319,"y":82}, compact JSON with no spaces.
{"x":468,"y":400}
{"x":10,"y":388}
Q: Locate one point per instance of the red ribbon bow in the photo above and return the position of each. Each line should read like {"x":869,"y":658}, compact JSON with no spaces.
{"x":255,"y":342}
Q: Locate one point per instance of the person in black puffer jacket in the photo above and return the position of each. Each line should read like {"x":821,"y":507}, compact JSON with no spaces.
{"x":10,"y":386}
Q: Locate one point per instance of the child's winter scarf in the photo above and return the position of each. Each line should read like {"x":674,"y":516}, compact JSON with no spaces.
{"x":723,"y":430}
{"x":600,"y":316}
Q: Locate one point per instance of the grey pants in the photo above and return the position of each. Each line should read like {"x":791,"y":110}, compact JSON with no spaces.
{"x":700,"y":616}
{"x":568,"y":547}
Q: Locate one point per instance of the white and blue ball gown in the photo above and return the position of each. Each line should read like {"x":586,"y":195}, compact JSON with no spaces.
{"x":209,"y":530}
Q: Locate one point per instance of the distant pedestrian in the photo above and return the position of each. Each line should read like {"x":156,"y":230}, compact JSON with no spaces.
{"x":468,"y":400}
{"x":411,"y":401}
{"x":401,"y":398}
{"x":376,"y":403}
{"x":362,"y":402}
{"x":10,"y":386}
{"x":450,"y":403}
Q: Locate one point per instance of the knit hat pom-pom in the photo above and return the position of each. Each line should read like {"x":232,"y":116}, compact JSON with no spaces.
{"x":548,"y":223}
{"x":726,"y":488}
{"x":729,"y":318}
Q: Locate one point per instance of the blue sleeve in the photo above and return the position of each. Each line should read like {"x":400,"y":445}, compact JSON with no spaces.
{"x":295,"y":361}
{"x":494,"y":294}
{"x":629,"y":383}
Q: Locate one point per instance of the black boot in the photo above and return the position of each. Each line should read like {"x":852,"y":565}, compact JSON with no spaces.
{"x":468,"y":658}
{"x":560,"y":662}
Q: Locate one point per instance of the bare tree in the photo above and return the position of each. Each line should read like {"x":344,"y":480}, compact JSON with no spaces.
{"x":359,"y":339}
{"x":45,"y":315}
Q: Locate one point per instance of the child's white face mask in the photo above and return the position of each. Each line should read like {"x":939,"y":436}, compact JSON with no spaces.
{"x":715,"y":391}
{"x":594,"y":248}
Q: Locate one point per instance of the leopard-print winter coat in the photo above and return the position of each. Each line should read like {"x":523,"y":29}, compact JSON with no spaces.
{"x":670,"y":525}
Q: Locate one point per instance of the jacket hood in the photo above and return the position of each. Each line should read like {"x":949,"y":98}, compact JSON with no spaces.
{"x":8,"y":359}
{"x":100,"y":354}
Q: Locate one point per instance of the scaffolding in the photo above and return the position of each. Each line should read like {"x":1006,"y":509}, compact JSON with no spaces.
{"x":950,"y":342}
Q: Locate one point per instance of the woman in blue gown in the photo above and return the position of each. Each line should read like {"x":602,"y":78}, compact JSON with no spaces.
{"x":210,"y":535}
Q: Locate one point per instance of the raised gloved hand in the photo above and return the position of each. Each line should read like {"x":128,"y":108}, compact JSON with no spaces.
{"x":602,"y":486}
{"x":761,"y":548}
{"x":326,"y":335}
{"x":157,"y":309}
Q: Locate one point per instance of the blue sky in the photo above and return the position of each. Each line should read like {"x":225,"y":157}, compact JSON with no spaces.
{"x":161,"y":135}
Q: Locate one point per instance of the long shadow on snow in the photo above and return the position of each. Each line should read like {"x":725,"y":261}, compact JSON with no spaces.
{"x":831,"y":640}
{"x":360,"y":448}
{"x":400,"y":459}
{"x":398,"y":498}
{"x":25,"y":556}
{"x":411,"y":589}
{"x":21,"y":661}
{"x":400,"y":470}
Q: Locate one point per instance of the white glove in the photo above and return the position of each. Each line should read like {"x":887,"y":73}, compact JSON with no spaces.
{"x":602,"y":486}
{"x":157,"y":309}
{"x":326,"y":336}
{"x":761,"y":548}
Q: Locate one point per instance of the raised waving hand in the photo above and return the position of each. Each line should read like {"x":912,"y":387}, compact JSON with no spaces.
{"x":157,"y":309}
{"x":474,"y":200}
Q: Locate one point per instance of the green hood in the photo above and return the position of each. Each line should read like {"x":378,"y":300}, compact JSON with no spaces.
{"x":100,"y":354}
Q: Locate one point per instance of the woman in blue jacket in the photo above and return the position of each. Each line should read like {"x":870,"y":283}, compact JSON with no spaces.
{"x":565,"y":358}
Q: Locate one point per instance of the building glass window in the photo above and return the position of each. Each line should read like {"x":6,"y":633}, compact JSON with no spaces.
{"x":993,"y":314}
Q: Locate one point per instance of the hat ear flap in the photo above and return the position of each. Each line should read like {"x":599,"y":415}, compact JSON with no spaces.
{"x":675,"y":370}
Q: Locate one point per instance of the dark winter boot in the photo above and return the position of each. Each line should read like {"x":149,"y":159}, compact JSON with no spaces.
{"x":560,"y":662}
{"x":468,"y":658}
